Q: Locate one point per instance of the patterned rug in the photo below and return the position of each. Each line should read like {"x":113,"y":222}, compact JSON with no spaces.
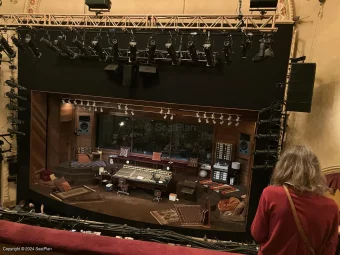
{"x":75,"y":164}
{"x":72,"y":193}
{"x":190,"y":215}
{"x":93,"y":197}
{"x":165,"y":217}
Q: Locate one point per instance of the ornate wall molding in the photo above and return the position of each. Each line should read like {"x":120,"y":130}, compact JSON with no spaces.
{"x":32,"y":6}
{"x":285,"y":10}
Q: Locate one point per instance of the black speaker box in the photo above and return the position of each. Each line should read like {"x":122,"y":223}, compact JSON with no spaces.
{"x":84,"y":124}
{"x":244,"y":144}
{"x":263,"y":4}
{"x":128,"y":75}
{"x":98,"y":4}
{"x":301,"y":86}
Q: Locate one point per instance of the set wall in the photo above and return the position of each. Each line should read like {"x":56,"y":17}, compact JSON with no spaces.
{"x":318,"y":40}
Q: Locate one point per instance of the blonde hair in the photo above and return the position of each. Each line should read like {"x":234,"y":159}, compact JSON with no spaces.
{"x":300,"y":167}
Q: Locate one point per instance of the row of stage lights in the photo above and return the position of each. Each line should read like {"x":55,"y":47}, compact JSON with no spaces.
{"x":60,"y":46}
{"x":213,"y":117}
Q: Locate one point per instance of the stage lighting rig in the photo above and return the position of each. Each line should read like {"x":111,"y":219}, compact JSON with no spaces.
{"x":12,"y":84}
{"x":151,"y":50}
{"x":208,"y":51}
{"x":192,"y":51}
{"x":227,"y":49}
{"x":132,"y":50}
{"x":115,"y":50}
{"x":83,"y":48}
{"x":47,"y":41}
{"x":266,"y":50}
{"x":98,"y":6}
{"x":14,"y":121}
{"x":299,"y":59}
{"x":6,"y":48}
{"x":31,"y":44}
{"x":13,"y":107}
{"x":17,"y":42}
{"x":15,"y":132}
{"x":171,"y":52}
{"x":246,"y":44}
{"x":61,"y":44}
{"x":98,"y":49}
{"x":12,"y":95}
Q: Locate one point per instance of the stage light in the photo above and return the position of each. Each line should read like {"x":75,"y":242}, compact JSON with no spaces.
{"x":63,"y":101}
{"x":238,"y":118}
{"x":247,"y":42}
{"x":151,"y":50}
{"x":12,"y":95}
{"x":197,"y":115}
{"x":98,"y":49}
{"x":98,"y":6}
{"x":132,"y":113}
{"x":172,"y":117}
{"x":12,"y":84}
{"x":161,"y":111}
{"x":266,"y":50}
{"x":95,"y":109}
{"x":15,"y":132}
{"x":119,"y":107}
{"x":171,"y":52}
{"x":47,"y":41}
{"x":14,"y":120}
{"x":101,"y":109}
{"x":13,"y":107}
{"x":126,"y":112}
{"x":222,"y":121}
{"x":165,"y":116}
{"x":127,"y":162}
{"x":208,"y":52}
{"x":229,"y":118}
{"x":168,"y":168}
{"x":29,"y":41}
{"x":168,"y":112}
{"x":84,"y":49}
{"x":88,"y":103}
{"x":229,"y":123}
{"x":227,"y":49}
{"x":121,"y":123}
{"x":199,"y":120}
{"x":221,"y":118}
{"x":192,"y":52}
{"x":115,"y":50}
{"x":18,"y":44}
{"x":90,"y":108}
{"x":205,"y":115}
{"x":61,"y":43}
{"x":6,"y":48}
{"x":213,"y":116}
{"x":132,"y":50}
{"x":126,"y":107}
{"x":206,"y":121}
{"x":214,"y":121}
{"x":237,"y":123}
{"x":81,"y":102}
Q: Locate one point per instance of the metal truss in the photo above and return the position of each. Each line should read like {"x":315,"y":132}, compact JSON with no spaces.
{"x":142,"y":56}
{"x":263,"y":23}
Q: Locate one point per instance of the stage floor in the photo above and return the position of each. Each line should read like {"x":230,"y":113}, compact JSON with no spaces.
{"x":138,"y":205}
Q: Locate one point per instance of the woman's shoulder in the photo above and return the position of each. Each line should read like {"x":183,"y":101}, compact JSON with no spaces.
{"x":273,"y":190}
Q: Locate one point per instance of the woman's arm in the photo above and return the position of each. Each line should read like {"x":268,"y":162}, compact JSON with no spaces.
{"x":260,"y":225}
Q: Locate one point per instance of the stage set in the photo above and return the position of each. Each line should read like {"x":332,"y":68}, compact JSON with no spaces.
{"x":175,"y":140}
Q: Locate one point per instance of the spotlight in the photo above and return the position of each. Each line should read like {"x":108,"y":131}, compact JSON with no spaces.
{"x":247,"y":41}
{"x":227,"y":49}
{"x":192,"y":52}
{"x":205,"y":115}
{"x":88,"y":103}
{"x":229,"y":118}
{"x":15,"y":121}
{"x":238,"y":118}
{"x":126,"y":112}
{"x":229,"y":123}
{"x":101,"y":109}
{"x":115,"y":50}
{"x":151,"y":50}
{"x":61,"y":43}
{"x":15,"y":132}
{"x":90,"y":108}
{"x":165,"y":116}
{"x":221,"y":122}
{"x":12,"y":84}
{"x":199,"y":120}
{"x":132,"y":50}
{"x":126,"y":107}
{"x":50,"y":44}
{"x":63,"y":101}
{"x":81,"y":102}
{"x":214,"y":121}
{"x":119,"y":107}
{"x":98,"y":49}
{"x":172,"y":117}
{"x":13,"y":107}
{"x":95,"y":109}
{"x":171,"y":52}
{"x":221,"y":118}
{"x":236,"y":124}
{"x":197,"y":115}
{"x":208,"y":52}
{"x":121,"y":123}
{"x":29,"y":41}
{"x":132,"y":113}
{"x":84,"y":49}
{"x":12,"y":95}
{"x":266,"y":50}
{"x":161,"y":111}
{"x":7,"y":49}
{"x":206,"y":121}
{"x":18,"y":44}
{"x":75,"y":102}
{"x":168,"y":112}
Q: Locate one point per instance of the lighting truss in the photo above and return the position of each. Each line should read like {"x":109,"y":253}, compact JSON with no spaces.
{"x":263,"y":23}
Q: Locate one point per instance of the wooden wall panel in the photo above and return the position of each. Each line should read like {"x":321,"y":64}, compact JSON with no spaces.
{"x":85,"y":140}
{"x":53,"y":130}
{"x":66,"y":133}
{"x":38,"y":132}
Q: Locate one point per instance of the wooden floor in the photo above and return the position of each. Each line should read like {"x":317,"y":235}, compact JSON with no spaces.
{"x":137,"y":206}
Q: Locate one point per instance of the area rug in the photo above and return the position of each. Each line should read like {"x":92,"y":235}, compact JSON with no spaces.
{"x":190,"y":215}
{"x":75,"y":164}
{"x":165,"y":217}
{"x":72,"y":193}
{"x":92,"y":197}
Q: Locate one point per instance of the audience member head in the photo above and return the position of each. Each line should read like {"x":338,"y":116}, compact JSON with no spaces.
{"x":22,"y":203}
{"x":300,"y":167}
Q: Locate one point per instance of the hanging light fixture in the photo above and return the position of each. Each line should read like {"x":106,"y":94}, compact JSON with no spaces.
{"x":198,"y":114}
{"x":161,"y":111}
{"x":205,"y":115}
{"x":214,"y":121}
{"x":101,"y":109}
{"x":206,"y":121}
{"x":88,"y":103}
{"x":222,"y":121}
{"x":199,"y":120}
{"x":165,"y":116}
{"x":172,"y":117}
{"x":229,"y":118}
{"x":119,"y":107}
{"x":63,"y":101}
{"x":132,"y":113}
{"x":221,"y":118}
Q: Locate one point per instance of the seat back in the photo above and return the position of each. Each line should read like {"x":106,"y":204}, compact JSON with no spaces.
{"x":189,"y":184}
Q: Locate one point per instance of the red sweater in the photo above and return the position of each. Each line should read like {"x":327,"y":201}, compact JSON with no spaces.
{"x":274,"y":228}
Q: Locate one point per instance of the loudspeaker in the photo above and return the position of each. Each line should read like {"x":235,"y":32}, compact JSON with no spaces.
{"x":128,"y":75}
{"x":244,"y":144}
{"x":84,"y":124}
{"x":98,"y":4}
{"x":263,"y":4}
{"x":301,"y":86}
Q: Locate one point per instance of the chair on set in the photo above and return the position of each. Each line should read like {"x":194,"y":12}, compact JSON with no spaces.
{"x":189,"y":190}
{"x":157,"y":195}
{"x":123,"y":187}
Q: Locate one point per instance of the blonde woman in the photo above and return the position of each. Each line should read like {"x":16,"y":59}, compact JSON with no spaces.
{"x":294,"y":216}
